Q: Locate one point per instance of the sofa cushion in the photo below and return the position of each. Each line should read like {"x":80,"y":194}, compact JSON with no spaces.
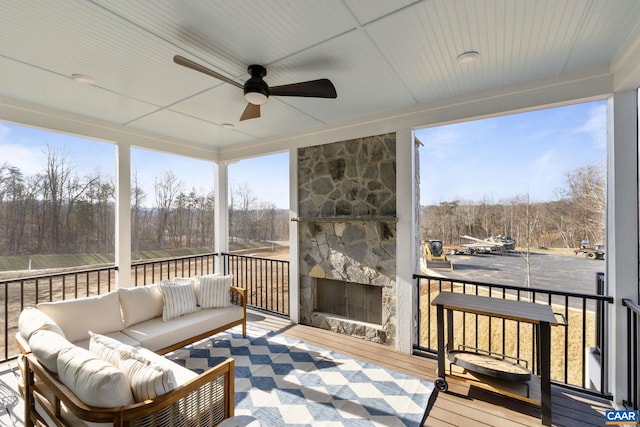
{"x":155,"y":334}
{"x":93,"y":380}
{"x":46,"y":346}
{"x":147,"y":380}
{"x":213,"y":290}
{"x":179,"y":299}
{"x":109,"y":349}
{"x":100,"y":314}
{"x":31,"y":319}
{"x":119,"y":336}
{"x":140,"y":303}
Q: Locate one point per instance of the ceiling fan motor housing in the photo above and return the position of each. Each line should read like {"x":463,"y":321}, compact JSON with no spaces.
{"x":256,"y":85}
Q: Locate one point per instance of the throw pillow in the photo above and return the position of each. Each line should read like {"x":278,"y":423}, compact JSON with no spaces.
{"x":140,"y":303}
{"x":213,"y":291}
{"x":178,"y":300}
{"x":182,"y":280}
{"x":46,"y":346}
{"x":109,"y":349}
{"x":31,"y":319}
{"x":147,"y":380}
{"x":93,"y":380}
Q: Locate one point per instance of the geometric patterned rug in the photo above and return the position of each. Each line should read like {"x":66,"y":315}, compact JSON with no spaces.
{"x":283,"y":381}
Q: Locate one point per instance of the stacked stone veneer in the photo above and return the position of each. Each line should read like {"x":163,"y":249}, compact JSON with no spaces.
{"x":347,"y":231}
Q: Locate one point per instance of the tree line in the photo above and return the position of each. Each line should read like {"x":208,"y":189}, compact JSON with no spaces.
{"x":58,"y":211}
{"x":577,"y":213}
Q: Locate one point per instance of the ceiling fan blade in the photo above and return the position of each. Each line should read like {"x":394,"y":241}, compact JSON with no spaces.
{"x":251,"y":112}
{"x":181,"y":60}
{"x":322,"y":88}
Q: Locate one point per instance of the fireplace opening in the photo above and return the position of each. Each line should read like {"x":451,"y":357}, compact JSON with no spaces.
{"x":353,"y":301}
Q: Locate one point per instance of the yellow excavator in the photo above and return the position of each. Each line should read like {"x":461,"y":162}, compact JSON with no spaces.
{"x":434,"y":255}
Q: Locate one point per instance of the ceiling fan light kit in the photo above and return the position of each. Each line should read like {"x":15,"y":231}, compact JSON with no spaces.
{"x":257,"y":91}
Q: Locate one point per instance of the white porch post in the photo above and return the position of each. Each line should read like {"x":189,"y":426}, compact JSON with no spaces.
{"x":123,"y":215}
{"x":622,"y":230}
{"x":294,"y":277}
{"x":221,"y":220}
{"x":406,"y":250}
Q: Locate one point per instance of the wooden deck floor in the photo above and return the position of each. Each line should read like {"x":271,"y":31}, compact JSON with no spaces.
{"x":462,"y":405}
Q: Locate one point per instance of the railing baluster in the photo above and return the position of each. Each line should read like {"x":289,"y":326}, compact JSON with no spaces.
{"x":6,"y":320}
{"x":633,"y":353}
{"x":584,"y":338}
{"x":566,"y":342}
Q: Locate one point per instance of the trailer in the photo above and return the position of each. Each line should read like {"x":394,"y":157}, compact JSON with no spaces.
{"x":490,"y":245}
{"x":595,"y":252}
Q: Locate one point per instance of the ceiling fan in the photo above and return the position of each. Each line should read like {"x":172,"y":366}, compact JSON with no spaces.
{"x":257,"y":91}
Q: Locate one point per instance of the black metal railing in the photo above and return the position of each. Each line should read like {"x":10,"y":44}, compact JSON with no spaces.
{"x":517,"y":340}
{"x":148,"y":272}
{"x":266,"y":281}
{"x":29,"y":291}
{"x":633,"y":354}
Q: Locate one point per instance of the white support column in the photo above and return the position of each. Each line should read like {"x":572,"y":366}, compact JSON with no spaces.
{"x":622,"y":230}
{"x":221,"y":221}
{"x":123,"y":215}
{"x":406,"y":251}
{"x":294,"y":277}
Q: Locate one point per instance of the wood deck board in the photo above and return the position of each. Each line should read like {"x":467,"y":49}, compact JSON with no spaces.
{"x":463,"y":404}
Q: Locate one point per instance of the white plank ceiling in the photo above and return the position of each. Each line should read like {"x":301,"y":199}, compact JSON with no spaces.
{"x":383,"y":56}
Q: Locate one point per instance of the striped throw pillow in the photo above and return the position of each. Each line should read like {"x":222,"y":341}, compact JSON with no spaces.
{"x":213,"y":291}
{"x":109,"y":349}
{"x":146,"y":379}
{"x":179,"y":299}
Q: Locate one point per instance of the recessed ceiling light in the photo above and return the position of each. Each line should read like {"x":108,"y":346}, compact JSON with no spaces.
{"x":81,"y":78}
{"x":227,"y":125}
{"x":468,"y":57}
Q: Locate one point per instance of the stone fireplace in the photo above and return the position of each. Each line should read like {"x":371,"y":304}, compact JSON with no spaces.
{"x":347,"y":237}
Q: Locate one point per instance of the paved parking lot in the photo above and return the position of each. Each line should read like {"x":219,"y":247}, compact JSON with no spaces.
{"x":548,"y":271}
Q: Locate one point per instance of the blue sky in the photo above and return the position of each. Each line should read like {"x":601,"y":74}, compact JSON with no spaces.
{"x":504,"y":157}
{"x":494,"y":159}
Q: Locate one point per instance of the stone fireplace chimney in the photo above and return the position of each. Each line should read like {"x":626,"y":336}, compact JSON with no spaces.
{"x":347,"y":237}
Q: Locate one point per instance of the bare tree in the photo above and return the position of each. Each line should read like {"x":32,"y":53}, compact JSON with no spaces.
{"x":137,"y":199}
{"x":167,"y":189}
{"x":528,"y":220}
{"x":242,"y":214}
{"x":56,"y":176}
{"x":587,"y":192}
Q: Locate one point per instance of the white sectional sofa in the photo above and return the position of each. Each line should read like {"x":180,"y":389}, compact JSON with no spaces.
{"x":97,"y":360}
